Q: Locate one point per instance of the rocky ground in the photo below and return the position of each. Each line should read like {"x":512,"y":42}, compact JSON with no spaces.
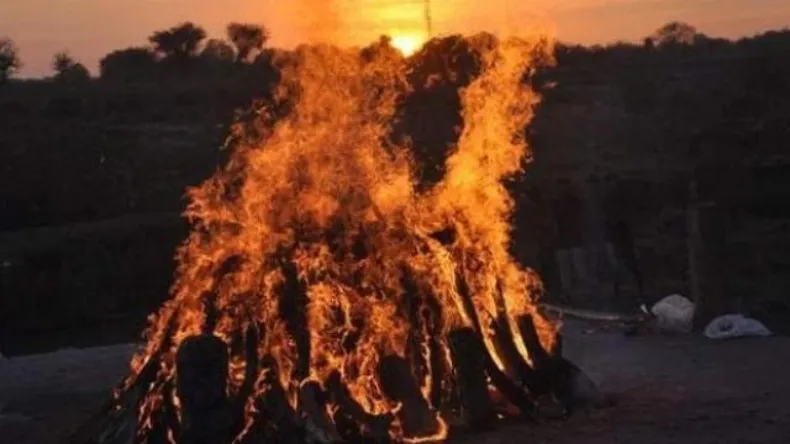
{"x":665,"y":389}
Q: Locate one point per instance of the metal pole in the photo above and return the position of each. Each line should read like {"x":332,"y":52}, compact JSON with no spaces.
{"x":428,"y":23}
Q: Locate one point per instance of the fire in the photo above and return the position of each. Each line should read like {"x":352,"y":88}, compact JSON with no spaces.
{"x":315,"y":238}
{"x":407,"y":44}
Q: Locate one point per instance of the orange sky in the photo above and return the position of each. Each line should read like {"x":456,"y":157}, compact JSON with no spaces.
{"x":91,"y":28}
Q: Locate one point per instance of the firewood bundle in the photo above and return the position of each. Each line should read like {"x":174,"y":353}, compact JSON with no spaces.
{"x":482,"y":384}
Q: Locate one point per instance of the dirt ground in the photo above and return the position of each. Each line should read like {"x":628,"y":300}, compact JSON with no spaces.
{"x":665,"y":389}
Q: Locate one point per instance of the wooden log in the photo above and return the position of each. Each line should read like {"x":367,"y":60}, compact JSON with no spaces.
{"x":165,"y":423}
{"x":398,"y":384}
{"x":516,"y":369}
{"x":547,"y":365}
{"x":469,"y":363}
{"x":275,"y":421}
{"x":110,"y":425}
{"x":312,"y":407}
{"x":210,"y":312}
{"x":542,"y":361}
{"x":293,"y":308}
{"x":503,"y":340}
{"x":568,"y":384}
{"x":510,"y":389}
{"x":425,"y":314}
{"x":353,"y":423}
{"x":238,"y":402}
{"x":201,"y":385}
{"x":548,"y":383}
{"x":252,"y":338}
{"x":418,"y":333}
{"x":439,"y":372}
{"x":116,"y":421}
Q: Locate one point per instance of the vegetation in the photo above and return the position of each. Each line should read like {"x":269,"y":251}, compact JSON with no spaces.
{"x":248,"y":39}
{"x":9,"y":59}
{"x":69,"y":70}
{"x":218,"y":51}
{"x":179,"y":42}
{"x":129,"y":65}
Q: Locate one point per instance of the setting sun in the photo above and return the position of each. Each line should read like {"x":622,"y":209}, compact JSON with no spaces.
{"x":407,"y":44}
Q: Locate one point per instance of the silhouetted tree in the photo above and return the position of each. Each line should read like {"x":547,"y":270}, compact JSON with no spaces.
{"x":9,"y":59}
{"x":69,"y":70}
{"x":128,"y":65}
{"x":179,"y":42}
{"x":218,"y":51}
{"x":247,"y":38}
{"x":674,"y":33}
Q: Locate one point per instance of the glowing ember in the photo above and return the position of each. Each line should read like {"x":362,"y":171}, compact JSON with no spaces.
{"x":315,"y":237}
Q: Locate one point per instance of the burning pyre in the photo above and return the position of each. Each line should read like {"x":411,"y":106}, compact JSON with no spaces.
{"x":323,"y":296}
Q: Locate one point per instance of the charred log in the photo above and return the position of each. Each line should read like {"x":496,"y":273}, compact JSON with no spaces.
{"x":274,"y":420}
{"x":470,"y":366}
{"x":510,"y":389}
{"x":568,"y":384}
{"x":116,"y":421}
{"x":251,"y":368}
{"x":166,"y":423}
{"x":503,"y":340}
{"x":424,"y":351}
{"x":541,"y":358}
{"x":418,"y":337}
{"x":201,"y":385}
{"x":439,"y":373}
{"x":312,"y":407}
{"x":293,"y":305}
{"x":353,"y":423}
{"x":415,"y":415}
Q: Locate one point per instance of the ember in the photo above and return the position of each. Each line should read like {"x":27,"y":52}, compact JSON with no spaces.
{"x":322,"y":297}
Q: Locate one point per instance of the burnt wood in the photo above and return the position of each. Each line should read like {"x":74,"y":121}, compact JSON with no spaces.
{"x":201,"y":385}
{"x":415,"y":415}
{"x":312,"y":407}
{"x":469,"y":364}
{"x":293,"y":308}
{"x":353,"y":423}
{"x":511,"y":390}
{"x":275,"y":420}
{"x":503,"y":339}
{"x":568,"y":385}
{"x":116,"y":421}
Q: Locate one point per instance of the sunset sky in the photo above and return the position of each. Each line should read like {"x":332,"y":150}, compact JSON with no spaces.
{"x":88,"y":29}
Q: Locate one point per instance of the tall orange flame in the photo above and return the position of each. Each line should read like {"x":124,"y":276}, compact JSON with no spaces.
{"x":316,"y":206}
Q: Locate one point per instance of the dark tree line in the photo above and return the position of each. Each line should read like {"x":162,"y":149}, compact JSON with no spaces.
{"x":69,"y":70}
{"x":186,"y":49}
{"x":9,"y":59}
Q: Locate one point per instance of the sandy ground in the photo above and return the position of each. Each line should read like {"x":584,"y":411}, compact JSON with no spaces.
{"x":666,"y":389}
